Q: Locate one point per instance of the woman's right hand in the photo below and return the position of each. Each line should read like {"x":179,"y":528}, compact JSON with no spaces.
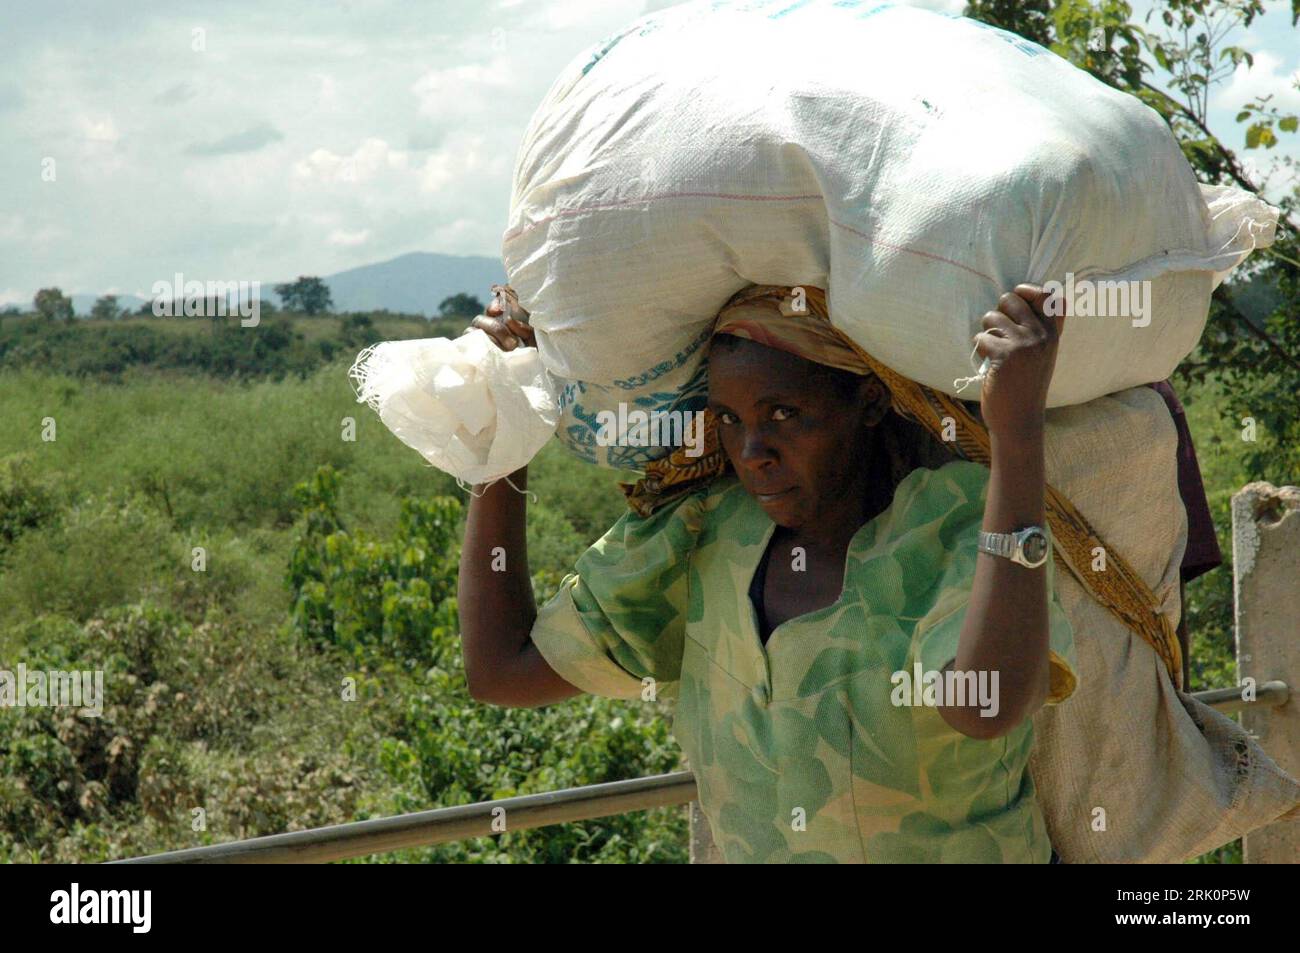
{"x":507,"y":330}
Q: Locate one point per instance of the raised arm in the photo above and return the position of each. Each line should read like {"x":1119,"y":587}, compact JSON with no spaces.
{"x":494,"y":591}
{"x":1006,"y":623}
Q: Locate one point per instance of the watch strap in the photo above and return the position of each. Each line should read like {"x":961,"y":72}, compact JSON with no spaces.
{"x":1010,"y":545}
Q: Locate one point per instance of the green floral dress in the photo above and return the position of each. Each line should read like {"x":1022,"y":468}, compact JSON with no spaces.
{"x":805,"y":749}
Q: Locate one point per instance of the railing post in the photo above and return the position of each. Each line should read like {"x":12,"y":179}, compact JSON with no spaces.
{"x":1266,"y":584}
{"x":703,"y":849}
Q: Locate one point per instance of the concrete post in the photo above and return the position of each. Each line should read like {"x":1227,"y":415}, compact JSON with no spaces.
{"x":1266,"y":583}
{"x":703,"y":850}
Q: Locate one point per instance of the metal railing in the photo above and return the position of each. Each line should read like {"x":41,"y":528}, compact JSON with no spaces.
{"x":443,"y":825}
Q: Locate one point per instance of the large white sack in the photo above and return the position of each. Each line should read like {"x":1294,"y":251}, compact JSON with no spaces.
{"x":913,"y":164}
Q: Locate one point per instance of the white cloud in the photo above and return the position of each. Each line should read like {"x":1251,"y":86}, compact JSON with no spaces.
{"x":472,"y":155}
{"x":327,"y":96}
{"x":348,"y":239}
{"x":571,"y":13}
{"x":1268,"y":75}
{"x":452,"y":233}
{"x":45,"y":235}
{"x":363,"y":164}
{"x":102,"y":129}
{"x":466,"y":89}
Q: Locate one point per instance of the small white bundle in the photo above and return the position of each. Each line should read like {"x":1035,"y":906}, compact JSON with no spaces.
{"x":469,"y":408}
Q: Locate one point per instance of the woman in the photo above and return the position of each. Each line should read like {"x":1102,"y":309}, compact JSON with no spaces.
{"x":818,"y":717}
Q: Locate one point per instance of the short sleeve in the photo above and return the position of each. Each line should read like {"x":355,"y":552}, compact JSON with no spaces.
{"x":939,"y":631}
{"x":620,"y":617}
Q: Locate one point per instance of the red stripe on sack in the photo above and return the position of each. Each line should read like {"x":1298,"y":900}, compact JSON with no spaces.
{"x":514,"y":234}
{"x":915,"y":251}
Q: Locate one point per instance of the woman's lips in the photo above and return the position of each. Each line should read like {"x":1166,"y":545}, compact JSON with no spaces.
{"x":769,"y":497}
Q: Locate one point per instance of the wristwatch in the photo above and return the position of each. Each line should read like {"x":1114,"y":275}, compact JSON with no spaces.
{"x":1029,"y":546}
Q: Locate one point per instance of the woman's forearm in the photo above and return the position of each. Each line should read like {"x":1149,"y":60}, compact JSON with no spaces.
{"x":497,"y":610}
{"x":1006,"y":624}
{"x":494,"y":593}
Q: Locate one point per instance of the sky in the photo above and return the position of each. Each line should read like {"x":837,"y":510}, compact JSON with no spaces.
{"x":263,"y":139}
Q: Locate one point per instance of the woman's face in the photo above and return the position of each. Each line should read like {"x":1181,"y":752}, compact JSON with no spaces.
{"x":798,"y":443}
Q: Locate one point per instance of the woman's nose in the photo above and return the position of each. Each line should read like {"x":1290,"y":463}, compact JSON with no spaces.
{"x":756,"y":450}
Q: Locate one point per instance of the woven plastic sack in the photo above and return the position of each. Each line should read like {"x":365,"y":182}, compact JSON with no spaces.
{"x":913,"y":164}
{"x":1129,"y":769}
{"x":469,"y":408}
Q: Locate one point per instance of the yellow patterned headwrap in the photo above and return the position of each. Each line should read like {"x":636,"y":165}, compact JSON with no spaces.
{"x":795,"y":320}
{"x":789,"y":319}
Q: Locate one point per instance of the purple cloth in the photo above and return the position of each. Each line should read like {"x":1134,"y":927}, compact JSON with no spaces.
{"x":1203,"y":552}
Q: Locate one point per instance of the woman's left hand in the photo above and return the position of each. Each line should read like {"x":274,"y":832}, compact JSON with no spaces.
{"x":1020,"y":340}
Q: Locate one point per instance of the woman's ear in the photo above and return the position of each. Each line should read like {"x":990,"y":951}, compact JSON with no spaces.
{"x":875,"y":400}
{"x":874,"y":414}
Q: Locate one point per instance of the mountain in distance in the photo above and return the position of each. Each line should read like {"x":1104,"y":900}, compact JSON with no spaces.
{"x":413,"y":283}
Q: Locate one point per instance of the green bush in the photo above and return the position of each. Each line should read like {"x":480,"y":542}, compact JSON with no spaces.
{"x":359,"y":593}
{"x":27,"y":499}
{"x":450,"y":750}
{"x":220,"y":346}
{"x":105,"y":551}
{"x":205,"y":716}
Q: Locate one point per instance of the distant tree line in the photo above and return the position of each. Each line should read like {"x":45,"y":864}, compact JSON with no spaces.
{"x":276,"y":347}
{"x":307,"y":295}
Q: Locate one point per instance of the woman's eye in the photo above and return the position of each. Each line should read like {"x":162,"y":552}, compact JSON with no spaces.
{"x":726,"y":418}
{"x":788,"y":412}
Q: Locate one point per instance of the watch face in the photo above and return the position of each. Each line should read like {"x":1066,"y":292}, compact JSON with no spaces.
{"x":1035,"y":547}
